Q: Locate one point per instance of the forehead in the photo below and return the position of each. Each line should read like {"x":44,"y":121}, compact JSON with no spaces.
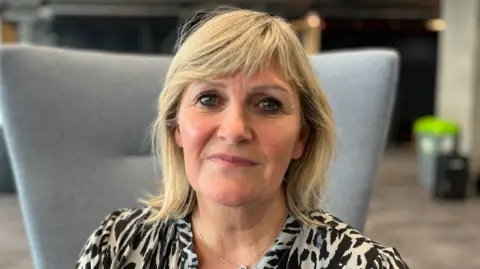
{"x":264,"y":76}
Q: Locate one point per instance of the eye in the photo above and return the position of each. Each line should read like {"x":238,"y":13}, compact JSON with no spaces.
{"x":207,"y":100}
{"x":270,"y":105}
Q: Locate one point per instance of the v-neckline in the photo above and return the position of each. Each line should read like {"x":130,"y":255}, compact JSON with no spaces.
{"x":280,"y":248}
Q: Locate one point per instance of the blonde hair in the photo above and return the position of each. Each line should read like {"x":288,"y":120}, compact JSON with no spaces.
{"x":223,"y":43}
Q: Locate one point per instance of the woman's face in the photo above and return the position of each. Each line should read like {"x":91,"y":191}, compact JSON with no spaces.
{"x":239,"y":135}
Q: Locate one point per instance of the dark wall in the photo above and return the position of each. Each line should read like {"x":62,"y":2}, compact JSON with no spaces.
{"x":118,"y":34}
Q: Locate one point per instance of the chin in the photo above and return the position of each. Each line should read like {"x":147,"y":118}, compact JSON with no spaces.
{"x":232,"y":197}
{"x":230,"y":202}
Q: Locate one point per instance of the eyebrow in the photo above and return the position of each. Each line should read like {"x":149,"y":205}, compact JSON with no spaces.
{"x":270,"y":87}
{"x":261,"y":87}
{"x":210,"y":83}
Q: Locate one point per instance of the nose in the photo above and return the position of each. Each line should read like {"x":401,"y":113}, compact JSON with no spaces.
{"x":235,"y":127}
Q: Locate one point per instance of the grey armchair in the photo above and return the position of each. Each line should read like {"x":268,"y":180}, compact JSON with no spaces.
{"x":76,"y":126}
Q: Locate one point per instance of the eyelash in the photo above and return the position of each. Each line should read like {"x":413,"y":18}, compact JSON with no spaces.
{"x":199,"y":97}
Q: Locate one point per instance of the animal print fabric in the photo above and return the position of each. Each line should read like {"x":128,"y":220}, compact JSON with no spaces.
{"x":125,"y":241}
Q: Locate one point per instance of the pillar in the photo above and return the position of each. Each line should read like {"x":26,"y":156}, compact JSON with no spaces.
{"x":458,"y":75}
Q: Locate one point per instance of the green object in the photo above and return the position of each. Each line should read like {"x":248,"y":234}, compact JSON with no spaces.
{"x":435,"y":126}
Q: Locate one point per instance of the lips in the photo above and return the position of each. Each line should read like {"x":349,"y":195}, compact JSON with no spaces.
{"x":232,"y":160}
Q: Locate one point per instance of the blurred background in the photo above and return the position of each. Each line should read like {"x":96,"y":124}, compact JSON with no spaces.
{"x":437,"y":41}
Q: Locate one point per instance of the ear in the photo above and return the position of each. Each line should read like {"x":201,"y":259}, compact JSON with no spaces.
{"x":178,"y":137}
{"x":300,"y":143}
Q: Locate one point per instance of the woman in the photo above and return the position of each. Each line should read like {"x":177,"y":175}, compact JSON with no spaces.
{"x":245,"y":135}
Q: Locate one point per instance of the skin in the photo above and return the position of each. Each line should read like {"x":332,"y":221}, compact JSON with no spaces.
{"x":238,"y":136}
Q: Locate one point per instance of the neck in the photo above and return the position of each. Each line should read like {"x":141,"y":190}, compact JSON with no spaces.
{"x":238,"y":234}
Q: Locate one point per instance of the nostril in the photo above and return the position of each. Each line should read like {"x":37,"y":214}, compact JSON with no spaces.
{"x":235,"y":131}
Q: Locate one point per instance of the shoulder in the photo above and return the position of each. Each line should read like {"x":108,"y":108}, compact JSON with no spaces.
{"x":115,"y":235}
{"x":342,"y":244}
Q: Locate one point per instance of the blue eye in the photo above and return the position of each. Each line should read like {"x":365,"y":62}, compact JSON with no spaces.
{"x":270,"y":105}
{"x":208,"y":100}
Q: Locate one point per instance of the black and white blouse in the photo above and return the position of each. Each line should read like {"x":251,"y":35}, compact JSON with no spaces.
{"x":125,"y":241}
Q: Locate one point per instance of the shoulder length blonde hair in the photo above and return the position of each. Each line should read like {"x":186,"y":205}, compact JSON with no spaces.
{"x":223,"y":43}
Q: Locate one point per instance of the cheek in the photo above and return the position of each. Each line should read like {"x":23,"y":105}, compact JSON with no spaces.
{"x":195,"y":133}
{"x":278,"y":143}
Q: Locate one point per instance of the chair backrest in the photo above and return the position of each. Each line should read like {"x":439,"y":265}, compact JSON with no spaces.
{"x":76,"y":126}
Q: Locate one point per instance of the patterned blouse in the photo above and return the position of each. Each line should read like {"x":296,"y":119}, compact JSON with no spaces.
{"x":125,"y":241}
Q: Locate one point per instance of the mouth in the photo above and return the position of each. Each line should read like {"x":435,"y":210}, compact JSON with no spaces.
{"x":232,"y":160}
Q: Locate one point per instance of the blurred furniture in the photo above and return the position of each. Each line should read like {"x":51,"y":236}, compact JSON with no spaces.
{"x":309,"y":30}
{"x":9,"y":33}
{"x":76,"y":124}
